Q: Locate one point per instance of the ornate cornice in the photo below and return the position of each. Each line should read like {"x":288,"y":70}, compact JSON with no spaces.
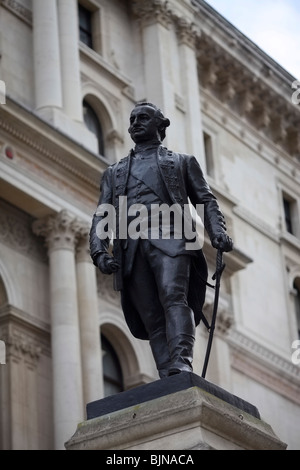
{"x":234,"y":70}
{"x":11,"y":314}
{"x":264,"y":366}
{"x":251,"y":94}
{"x":51,"y":146}
{"x":19,"y":10}
{"x":258,"y":142}
{"x":232,"y":40}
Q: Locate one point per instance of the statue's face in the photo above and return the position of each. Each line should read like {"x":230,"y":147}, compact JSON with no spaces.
{"x":143,"y":124}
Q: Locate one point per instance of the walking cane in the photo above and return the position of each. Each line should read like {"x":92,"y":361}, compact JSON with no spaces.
{"x":217,"y":277}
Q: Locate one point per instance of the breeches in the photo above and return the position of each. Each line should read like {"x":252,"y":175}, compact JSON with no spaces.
{"x":158,"y":285}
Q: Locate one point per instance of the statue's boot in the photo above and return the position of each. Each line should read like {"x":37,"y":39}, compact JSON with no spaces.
{"x":181,"y":339}
{"x":160,"y":351}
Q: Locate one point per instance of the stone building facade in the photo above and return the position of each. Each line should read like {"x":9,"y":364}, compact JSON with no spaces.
{"x":70,"y":74}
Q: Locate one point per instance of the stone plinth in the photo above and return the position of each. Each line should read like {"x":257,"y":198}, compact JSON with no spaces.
{"x":183,"y":412}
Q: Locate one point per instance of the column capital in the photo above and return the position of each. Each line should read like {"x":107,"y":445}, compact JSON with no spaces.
{"x":83,"y":246}
{"x":187,"y":33}
{"x":152,"y":11}
{"x":60,"y":231}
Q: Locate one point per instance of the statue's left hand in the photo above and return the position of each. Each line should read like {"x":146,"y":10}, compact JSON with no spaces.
{"x":107,"y":264}
{"x":222,"y":242}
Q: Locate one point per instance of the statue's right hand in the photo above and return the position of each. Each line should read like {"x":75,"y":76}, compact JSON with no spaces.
{"x":107,"y":264}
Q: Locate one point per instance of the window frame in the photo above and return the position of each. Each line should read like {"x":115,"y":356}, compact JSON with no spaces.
{"x":291,"y":221}
{"x":88,"y":32}
{"x":209,"y":154}
{"x":96,"y":24}
{"x":296,"y":286}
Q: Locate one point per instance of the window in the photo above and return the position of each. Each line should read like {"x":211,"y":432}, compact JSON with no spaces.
{"x":297,"y":304}
{"x":90,"y":24}
{"x":287,"y":215}
{"x":290,"y":208}
{"x":85,"y":26}
{"x":112,"y":372}
{"x":208,"y":154}
{"x":93,"y":124}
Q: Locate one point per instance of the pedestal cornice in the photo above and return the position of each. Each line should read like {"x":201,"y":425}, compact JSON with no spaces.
{"x":197,"y":415}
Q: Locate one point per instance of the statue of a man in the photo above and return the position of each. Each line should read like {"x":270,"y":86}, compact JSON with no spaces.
{"x":162,"y":283}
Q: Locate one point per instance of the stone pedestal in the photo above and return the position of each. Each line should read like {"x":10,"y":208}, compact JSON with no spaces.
{"x":183,"y":412}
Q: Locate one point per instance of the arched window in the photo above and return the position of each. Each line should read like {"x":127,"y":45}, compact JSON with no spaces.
{"x":112,"y":372}
{"x":297,"y":303}
{"x":93,"y":124}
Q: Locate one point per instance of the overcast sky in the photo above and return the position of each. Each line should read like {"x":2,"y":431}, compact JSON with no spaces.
{"x":274,"y":25}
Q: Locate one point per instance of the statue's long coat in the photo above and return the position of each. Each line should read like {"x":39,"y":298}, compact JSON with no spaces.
{"x":185,"y":183}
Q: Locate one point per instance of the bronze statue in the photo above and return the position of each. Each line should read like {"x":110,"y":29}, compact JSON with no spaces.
{"x":162,"y":283}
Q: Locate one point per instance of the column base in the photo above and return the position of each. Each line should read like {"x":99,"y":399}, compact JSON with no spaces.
{"x":182,"y":412}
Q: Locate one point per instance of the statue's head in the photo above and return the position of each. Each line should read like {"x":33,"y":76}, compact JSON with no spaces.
{"x":147,"y":122}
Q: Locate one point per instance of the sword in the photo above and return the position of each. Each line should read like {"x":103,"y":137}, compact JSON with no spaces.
{"x":217,"y":277}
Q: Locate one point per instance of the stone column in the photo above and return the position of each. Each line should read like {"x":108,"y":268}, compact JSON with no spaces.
{"x":155,"y":21}
{"x":19,"y":424}
{"x":89,"y":321}
{"x":60,"y":232}
{"x":46,"y":55}
{"x":70,"y":65}
{"x":190,"y":90}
